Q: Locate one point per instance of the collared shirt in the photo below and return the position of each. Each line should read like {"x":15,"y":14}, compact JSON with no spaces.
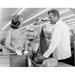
{"x":60,"y":42}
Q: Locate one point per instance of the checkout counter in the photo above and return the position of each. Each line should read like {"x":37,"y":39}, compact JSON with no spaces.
{"x":19,"y":61}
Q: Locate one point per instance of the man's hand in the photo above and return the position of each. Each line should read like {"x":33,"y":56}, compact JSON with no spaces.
{"x":39,"y":59}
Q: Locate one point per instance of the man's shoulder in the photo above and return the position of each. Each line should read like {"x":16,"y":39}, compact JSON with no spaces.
{"x":60,"y":21}
{"x":61,"y":24}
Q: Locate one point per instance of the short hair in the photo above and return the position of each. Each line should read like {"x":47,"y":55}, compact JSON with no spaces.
{"x":55,"y":12}
{"x":15,"y":22}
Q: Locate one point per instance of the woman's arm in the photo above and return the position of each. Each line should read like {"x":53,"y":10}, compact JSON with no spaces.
{"x":8,"y":41}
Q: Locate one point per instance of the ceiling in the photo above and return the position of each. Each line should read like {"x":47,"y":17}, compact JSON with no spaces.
{"x":29,"y":14}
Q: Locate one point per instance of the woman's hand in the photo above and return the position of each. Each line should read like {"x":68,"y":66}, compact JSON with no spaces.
{"x":18,"y":52}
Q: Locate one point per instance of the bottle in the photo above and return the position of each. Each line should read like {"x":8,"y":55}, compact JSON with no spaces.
{"x":29,"y":62}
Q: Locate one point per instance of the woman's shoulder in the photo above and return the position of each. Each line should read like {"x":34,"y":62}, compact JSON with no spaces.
{"x":9,"y":31}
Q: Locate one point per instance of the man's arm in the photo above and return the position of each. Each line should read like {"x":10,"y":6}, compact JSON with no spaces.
{"x":54,"y":43}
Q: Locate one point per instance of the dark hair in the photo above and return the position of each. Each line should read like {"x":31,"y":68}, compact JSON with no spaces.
{"x":55,"y":12}
{"x":15,"y":22}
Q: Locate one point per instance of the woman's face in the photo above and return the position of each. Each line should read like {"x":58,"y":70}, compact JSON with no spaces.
{"x":16,"y":18}
{"x":16,"y":21}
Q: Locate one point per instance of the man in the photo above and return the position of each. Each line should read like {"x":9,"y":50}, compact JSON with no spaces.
{"x":60,"y":42}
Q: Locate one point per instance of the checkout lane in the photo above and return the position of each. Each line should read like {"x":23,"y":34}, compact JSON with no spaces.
{"x":15,"y":59}
{"x":19,"y":61}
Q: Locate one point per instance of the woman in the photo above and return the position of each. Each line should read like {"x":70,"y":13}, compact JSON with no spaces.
{"x":15,"y":40}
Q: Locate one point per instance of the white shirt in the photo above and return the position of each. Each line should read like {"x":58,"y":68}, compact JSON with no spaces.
{"x":60,"y":42}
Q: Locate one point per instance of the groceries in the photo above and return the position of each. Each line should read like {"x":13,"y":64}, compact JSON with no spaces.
{"x":51,"y":62}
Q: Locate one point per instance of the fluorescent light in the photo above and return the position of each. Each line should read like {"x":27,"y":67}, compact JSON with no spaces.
{"x":19,"y":11}
{"x":36,"y":16}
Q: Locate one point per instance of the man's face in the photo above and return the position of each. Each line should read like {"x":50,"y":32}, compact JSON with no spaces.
{"x":52,"y":18}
